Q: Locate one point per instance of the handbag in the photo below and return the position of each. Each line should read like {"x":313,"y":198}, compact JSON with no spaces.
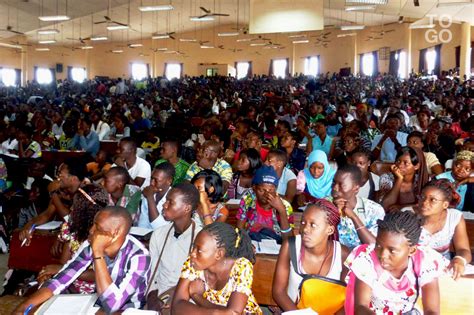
{"x":324,"y":295}
{"x":162,"y":302}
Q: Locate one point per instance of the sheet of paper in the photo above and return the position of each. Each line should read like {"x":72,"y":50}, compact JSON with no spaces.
{"x":139,"y":231}
{"x":51,"y":225}
{"x":469,"y":270}
{"x":267,"y":246}
{"x":70,"y":304}
{"x":468,"y":215}
{"x":133,"y":311}
{"x":306,"y":311}
{"x":233,"y":202}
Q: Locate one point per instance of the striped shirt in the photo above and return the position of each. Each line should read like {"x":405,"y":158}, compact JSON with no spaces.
{"x":129,"y":271}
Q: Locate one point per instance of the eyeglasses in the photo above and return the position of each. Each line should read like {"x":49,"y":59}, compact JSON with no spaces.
{"x":431,"y":200}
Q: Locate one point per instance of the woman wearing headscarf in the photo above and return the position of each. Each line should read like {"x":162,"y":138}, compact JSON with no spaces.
{"x":315,"y":180}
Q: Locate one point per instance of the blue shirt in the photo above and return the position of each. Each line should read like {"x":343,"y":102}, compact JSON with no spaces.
{"x":89,"y":143}
{"x":323,"y":146}
{"x":388,"y":153}
{"x":461,"y":190}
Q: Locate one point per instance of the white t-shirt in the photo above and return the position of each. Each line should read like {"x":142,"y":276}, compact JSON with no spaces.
{"x":365,"y":190}
{"x":286,"y":176}
{"x":141,"y":168}
{"x":102,"y":130}
{"x":144,"y":218}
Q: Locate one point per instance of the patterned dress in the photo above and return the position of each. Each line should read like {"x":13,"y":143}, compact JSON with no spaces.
{"x":240,"y":280}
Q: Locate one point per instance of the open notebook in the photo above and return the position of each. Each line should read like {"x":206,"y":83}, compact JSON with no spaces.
{"x":68,"y":304}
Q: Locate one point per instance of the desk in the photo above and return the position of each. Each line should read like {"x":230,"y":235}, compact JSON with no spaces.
{"x":35,"y":256}
{"x":263,"y":271}
{"x":109,"y":146}
{"x":57,"y":157}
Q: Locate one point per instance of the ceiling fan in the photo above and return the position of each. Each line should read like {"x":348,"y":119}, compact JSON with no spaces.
{"x":19,"y":44}
{"x":109,"y":20}
{"x":9,"y":28}
{"x":234,"y":50}
{"x":382,"y":32}
{"x":260,"y":37}
{"x":165,"y":35}
{"x":209,"y":13}
{"x":371,"y":38}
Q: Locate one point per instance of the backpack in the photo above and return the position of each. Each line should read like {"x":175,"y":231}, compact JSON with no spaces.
{"x":324,"y":295}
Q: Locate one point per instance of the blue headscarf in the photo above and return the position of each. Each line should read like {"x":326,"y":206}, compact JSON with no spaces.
{"x":320,"y":187}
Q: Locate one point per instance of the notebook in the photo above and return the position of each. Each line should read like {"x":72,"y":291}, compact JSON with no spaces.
{"x":68,"y":304}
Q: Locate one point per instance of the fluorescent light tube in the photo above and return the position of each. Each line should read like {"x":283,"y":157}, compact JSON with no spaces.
{"x":169,"y":52}
{"x":346,"y":34}
{"x":368,"y":1}
{"x":190,"y":40}
{"x":203,"y":19}
{"x":87,"y":47}
{"x":162,"y":49}
{"x":303,"y":41}
{"x":244,"y":40}
{"x":257,"y":44}
{"x":42,"y":49}
{"x":48,"y":41}
{"x":117,"y":27}
{"x":207,"y":46}
{"x":296,"y":36}
{"x":97,"y":38}
{"x":228,"y":34}
{"x":150,"y":8}
{"x":48,"y":31}
{"x":10,"y":45}
{"x":416,"y":26}
{"x":118,"y":51}
{"x":360,"y":8}
{"x":54,"y":18}
{"x":352,"y":27}
{"x":163,"y":36}
{"x":135,"y":45}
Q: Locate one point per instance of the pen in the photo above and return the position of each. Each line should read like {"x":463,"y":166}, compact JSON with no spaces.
{"x":32,"y":228}
{"x":28,"y":309}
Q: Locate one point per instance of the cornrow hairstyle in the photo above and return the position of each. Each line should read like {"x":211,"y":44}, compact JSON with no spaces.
{"x":402,"y":222}
{"x":83,"y":210}
{"x":333,"y":216}
{"x":236,"y":242}
{"x":167,"y":168}
{"x":356,"y":174}
{"x":211,"y":179}
{"x":255,"y":159}
{"x":445,"y":187}
{"x":190,"y":194}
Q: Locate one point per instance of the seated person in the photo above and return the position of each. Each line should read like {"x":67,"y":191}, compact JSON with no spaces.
{"x":138,"y":168}
{"x":358,"y":215}
{"x":71,"y":176}
{"x":350,"y":144}
{"x":244,"y":169}
{"x":218,"y":274}
{"x":386,"y":145}
{"x":443,"y":226}
{"x":120,"y":127}
{"x":296,"y":157}
{"x":120,"y":192}
{"x":170,"y":150}
{"x":415,"y":141}
{"x":317,"y":252}
{"x":315,"y":181}
{"x":66,"y":139}
{"x":253,"y":141}
{"x":262,"y":211}
{"x":154,"y":196}
{"x":121,"y":265}
{"x":90,"y":199}
{"x":460,"y":175}
{"x":86,"y":139}
{"x":370,"y":183}
{"x":379,"y":283}
{"x":401,"y":187}
{"x":174,"y":240}
{"x":211,"y":208}
{"x":322,"y":141}
{"x":209,"y":159}
{"x":100,"y":127}
{"x":99,"y":167}
{"x":286,"y":178}
{"x":27,"y":147}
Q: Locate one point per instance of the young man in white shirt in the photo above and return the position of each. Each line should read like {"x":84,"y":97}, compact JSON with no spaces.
{"x":138,"y":168}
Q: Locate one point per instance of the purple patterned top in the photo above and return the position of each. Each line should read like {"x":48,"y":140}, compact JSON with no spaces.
{"x":129,"y":272}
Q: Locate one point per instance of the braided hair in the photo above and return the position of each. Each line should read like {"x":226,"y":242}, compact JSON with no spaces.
{"x":402,"y":222}
{"x":333,"y":216}
{"x":84,"y":210}
{"x":235,"y":241}
{"x":446,"y":188}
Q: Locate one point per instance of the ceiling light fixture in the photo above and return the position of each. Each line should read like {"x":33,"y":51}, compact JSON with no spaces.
{"x":42,"y":49}
{"x":97,"y":38}
{"x":303,"y":41}
{"x":151,"y":8}
{"x":117,"y":51}
{"x":87,"y":47}
{"x":162,"y":36}
{"x":169,"y":51}
{"x":352,"y":27}
{"x":453,"y":4}
{"x":224,"y":34}
{"x":243,"y":40}
{"x":117,"y":27}
{"x":48,"y":31}
{"x":417,"y":26}
{"x":162,"y":49}
{"x":360,"y":8}
{"x":203,"y":19}
{"x":296,"y":36}
{"x":10,"y":45}
{"x":346,"y":34}
{"x":368,"y":1}
{"x":48,"y":41}
{"x":189,"y":40}
{"x":257,"y":44}
{"x":135,"y":45}
{"x":56,"y":18}
{"x":206,"y":46}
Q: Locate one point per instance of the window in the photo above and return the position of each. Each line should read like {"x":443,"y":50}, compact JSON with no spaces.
{"x":430,"y":60}
{"x":242,"y":69}
{"x":402,"y":64}
{"x":279,"y":68}
{"x":8,"y":77}
{"x":210,"y":72}
{"x":173,"y":71}
{"x":139,"y":71}
{"x":311,"y":65}
{"x":368,"y":64}
{"x":44,"y":76}
{"x":78,"y":74}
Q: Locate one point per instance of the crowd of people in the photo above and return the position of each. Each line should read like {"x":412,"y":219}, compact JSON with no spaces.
{"x":378,"y":168}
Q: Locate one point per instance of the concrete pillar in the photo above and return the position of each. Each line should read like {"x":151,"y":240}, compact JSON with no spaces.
{"x":24,"y":65}
{"x":293,"y":57}
{"x":409,"y":50}
{"x":355,"y":68}
{"x":465,"y":58}
{"x":88,"y":64}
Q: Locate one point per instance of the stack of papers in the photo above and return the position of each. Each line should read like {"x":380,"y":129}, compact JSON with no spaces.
{"x":306,"y":311}
{"x":51,"y":225}
{"x":233,"y":202}
{"x":68,"y":304}
{"x":267,"y":246}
